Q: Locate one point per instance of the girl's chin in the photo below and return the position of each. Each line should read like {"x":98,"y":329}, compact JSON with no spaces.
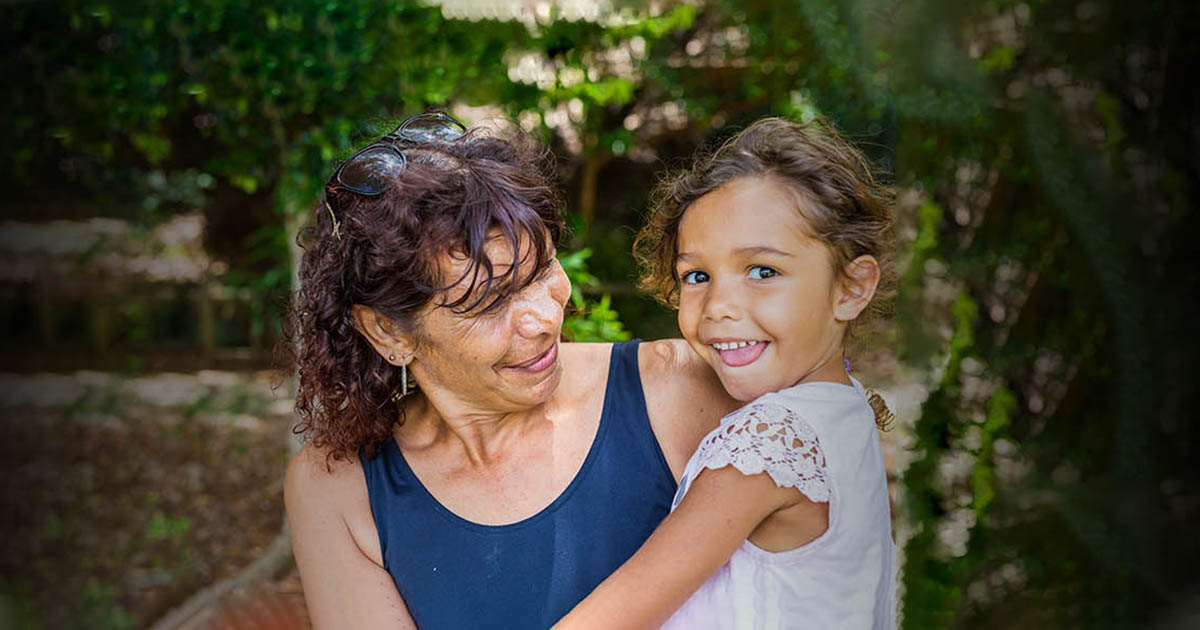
{"x":741,"y":391}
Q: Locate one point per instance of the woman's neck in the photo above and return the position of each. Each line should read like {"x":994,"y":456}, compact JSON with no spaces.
{"x":482,"y":435}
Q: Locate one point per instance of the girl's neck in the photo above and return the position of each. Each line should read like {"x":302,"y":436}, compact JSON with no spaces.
{"x":831,"y":369}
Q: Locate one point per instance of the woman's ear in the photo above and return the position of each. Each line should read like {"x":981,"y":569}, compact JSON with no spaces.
{"x":383,"y":335}
{"x":855,"y":288}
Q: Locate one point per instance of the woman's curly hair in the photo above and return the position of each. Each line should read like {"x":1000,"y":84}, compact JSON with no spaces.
{"x":845,"y":207}
{"x":450,"y":199}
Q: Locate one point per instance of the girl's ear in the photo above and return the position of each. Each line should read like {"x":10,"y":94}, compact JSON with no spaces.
{"x":395,"y":347}
{"x":855,"y":288}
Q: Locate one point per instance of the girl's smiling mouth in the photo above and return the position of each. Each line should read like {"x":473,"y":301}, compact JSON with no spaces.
{"x":738,"y":352}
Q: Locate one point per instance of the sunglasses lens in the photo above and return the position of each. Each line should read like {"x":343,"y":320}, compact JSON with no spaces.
{"x":372,"y":171}
{"x":432,"y":128}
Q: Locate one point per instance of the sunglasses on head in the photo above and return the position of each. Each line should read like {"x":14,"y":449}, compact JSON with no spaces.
{"x":373,"y":168}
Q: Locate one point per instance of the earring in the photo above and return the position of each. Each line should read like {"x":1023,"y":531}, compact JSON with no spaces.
{"x":403,"y":391}
{"x":391,"y":357}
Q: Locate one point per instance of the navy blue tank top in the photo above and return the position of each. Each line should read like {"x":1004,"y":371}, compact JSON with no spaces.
{"x":454,"y":573}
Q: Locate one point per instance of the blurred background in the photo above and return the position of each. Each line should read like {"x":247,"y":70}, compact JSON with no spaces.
{"x":159,"y":157}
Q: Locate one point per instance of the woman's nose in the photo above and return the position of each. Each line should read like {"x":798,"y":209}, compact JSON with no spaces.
{"x":540,"y":309}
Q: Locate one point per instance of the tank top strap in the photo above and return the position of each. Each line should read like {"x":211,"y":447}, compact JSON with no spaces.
{"x":625,"y":407}
{"x":623,"y":371}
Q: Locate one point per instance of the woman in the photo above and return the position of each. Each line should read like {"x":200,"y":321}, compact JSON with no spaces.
{"x":465,"y":469}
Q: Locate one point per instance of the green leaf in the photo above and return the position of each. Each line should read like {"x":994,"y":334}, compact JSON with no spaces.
{"x":153,"y":146}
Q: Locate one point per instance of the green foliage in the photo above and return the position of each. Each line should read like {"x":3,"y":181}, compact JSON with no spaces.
{"x":162,"y":527}
{"x":596,"y":322}
{"x":1034,"y":495}
{"x":17,"y":610}
{"x":101,"y":611}
{"x":588,"y":320}
{"x":983,"y":480}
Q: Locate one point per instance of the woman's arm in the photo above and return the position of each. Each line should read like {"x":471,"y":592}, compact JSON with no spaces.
{"x":721,"y":509}
{"x":343,"y":586}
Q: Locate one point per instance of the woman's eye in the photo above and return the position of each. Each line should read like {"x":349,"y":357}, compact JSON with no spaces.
{"x":759,"y":272}
{"x":695,"y":277}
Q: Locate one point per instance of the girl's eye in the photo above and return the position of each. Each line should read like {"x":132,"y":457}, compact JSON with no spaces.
{"x":759,"y":272}
{"x":694,"y":277}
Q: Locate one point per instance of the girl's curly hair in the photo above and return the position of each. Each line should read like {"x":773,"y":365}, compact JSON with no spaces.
{"x":847,"y":210}
{"x":450,"y":199}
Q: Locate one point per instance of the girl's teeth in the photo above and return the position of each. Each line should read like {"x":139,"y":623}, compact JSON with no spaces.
{"x":733,"y":345}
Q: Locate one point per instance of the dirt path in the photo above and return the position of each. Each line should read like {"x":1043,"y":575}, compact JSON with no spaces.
{"x":122,"y":496}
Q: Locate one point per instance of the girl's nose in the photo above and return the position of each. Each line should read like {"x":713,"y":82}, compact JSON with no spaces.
{"x":721,"y":303}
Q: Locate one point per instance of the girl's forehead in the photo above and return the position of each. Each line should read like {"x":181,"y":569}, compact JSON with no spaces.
{"x":745,"y":212}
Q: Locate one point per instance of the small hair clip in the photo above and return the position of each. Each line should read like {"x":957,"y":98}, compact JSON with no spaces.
{"x":333,"y":217}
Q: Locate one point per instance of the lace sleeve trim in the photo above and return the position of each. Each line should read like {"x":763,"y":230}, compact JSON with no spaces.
{"x":770,"y":438}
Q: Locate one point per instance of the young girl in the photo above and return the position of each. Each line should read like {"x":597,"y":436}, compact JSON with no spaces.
{"x":772,"y":248}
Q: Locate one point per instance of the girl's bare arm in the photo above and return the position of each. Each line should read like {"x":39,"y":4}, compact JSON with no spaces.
{"x":721,"y":509}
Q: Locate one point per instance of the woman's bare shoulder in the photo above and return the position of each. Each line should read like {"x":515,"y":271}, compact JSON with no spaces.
{"x":684,"y":398}
{"x":675,"y":360}
{"x":336,"y":545}
{"x":311,"y":468}
{"x":668,"y":355}
{"x":673,"y":368}
{"x":318,"y":488}
{"x":582,"y":358}
{"x":586,"y":367}
{"x":584,"y":353}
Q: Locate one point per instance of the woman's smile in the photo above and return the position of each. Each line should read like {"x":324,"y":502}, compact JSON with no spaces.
{"x":539,"y":362}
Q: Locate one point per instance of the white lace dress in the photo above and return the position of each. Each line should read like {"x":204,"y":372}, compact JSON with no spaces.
{"x":821,"y":439}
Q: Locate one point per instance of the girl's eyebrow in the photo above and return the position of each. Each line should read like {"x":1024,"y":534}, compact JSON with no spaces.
{"x":742,"y":251}
{"x":762,"y":249}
